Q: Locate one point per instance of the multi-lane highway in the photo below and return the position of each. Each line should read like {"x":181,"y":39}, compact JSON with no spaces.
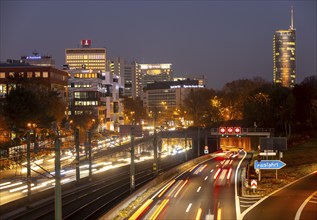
{"x":88,"y":200}
{"x":207,"y":191}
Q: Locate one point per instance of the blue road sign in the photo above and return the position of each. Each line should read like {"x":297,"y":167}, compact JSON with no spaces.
{"x":268,"y":164}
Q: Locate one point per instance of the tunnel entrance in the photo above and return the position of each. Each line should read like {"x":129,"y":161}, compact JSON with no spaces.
{"x":234,"y":143}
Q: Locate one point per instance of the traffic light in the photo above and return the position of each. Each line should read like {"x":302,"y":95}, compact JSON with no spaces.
{"x":229,"y":130}
{"x":222,"y":130}
{"x":237,"y":130}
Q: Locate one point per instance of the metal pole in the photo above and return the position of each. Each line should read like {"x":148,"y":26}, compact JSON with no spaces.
{"x":186,"y":144}
{"x":77,"y":154}
{"x":58,"y":188}
{"x":198,"y":147}
{"x":89,"y":155}
{"x":132,"y":168}
{"x":28,"y":161}
{"x":155,"y":150}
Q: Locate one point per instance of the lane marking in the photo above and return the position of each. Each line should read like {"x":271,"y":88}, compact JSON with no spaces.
{"x":188,"y":208}
{"x":238,"y":211}
{"x":206,"y":177}
{"x":211,"y":170}
{"x":198,"y":189}
{"x":299,"y":211}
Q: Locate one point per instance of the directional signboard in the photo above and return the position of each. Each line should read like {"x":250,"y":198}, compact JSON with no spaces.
{"x":268,"y":164}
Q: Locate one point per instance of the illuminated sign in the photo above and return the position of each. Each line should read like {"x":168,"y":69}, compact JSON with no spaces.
{"x":33,"y":57}
{"x":155,"y":66}
{"x":186,"y":86}
{"x":85,"y":42}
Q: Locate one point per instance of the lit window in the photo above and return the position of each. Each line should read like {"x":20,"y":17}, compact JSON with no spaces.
{"x":2,"y":75}
{"x":45,"y":74}
{"x":29,"y":74}
{"x":3,"y":88}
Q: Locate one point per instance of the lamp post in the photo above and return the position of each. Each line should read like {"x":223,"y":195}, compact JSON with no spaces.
{"x":31,"y":126}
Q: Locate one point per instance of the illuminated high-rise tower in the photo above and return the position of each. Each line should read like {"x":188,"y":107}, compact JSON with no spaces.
{"x":284,"y":65}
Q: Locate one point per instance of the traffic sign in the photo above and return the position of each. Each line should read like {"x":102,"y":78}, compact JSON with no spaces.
{"x":254,"y":184}
{"x":206,"y":150}
{"x":268,"y":164}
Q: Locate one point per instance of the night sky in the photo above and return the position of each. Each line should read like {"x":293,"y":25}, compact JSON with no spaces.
{"x":224,"y":40}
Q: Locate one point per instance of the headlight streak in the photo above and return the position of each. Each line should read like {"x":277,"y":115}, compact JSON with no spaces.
{"x":179,"y":182}
{"x":180,"y":188}
{"x":198,"y":215}
{"x":3,"y":184}
{"x":202,"y":168}
{"x":20,"y":188}
{"x":141,"y":210}
{"x":159,"y":209}
{"x":219,"y":214}
{"x":11,"y":185}
{"x":165,"y":188}
{"x":193,"y":168}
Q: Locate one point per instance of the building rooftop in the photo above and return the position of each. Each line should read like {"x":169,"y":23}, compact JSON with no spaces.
{"x":189,"y":83}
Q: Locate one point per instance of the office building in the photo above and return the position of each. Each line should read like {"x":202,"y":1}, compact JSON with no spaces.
{"x":284,"y":56}
{"x":96,"y":94}
{"x":86,"y":57}
{"x":168,"y":94}
{"x":38,"y":60}
{"x":150,"y":73}
{"x":47,"y":77}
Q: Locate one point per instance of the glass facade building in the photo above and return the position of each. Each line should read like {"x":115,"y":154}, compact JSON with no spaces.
{"x":284,"y":57}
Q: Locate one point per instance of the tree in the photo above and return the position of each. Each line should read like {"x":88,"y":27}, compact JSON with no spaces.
{"x":133,"y":109}
{"x":235,"y":93}
{"x":197,"y":106}
{"x":24,"y":105}
{"x":305,"y":107}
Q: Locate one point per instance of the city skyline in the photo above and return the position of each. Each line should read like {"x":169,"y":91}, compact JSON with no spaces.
{"x":224,"y":41}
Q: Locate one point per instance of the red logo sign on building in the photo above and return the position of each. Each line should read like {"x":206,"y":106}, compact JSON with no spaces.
{"x":85,"y":42}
